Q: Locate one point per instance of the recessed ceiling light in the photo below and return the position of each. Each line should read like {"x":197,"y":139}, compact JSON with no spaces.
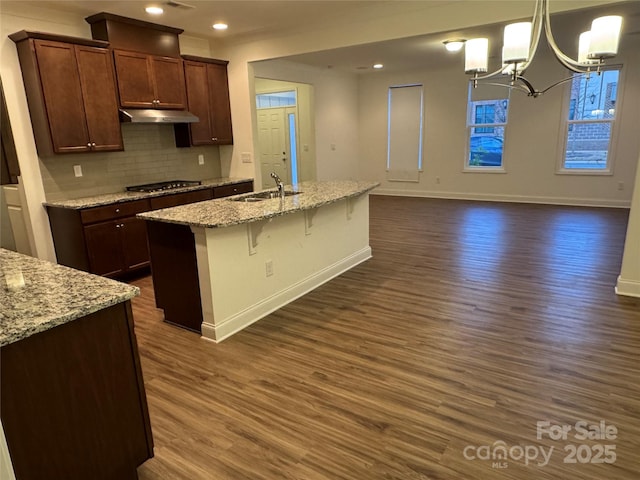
{"x":220,"y":26}
{"x":378,"y":65}
{"x":154,"y":10}
{"x":453,"y":45}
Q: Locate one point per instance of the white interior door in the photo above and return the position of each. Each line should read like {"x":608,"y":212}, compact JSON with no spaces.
{"x":274,"y":149}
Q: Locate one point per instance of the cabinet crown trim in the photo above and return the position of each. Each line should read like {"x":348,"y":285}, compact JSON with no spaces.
{"x":194,"y":58}
{"x":26,"y":34}
{"x":131,"y":21}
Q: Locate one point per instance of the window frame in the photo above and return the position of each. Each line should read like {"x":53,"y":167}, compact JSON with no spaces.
{"x":565,"y":122}
{"x":471,"y":113}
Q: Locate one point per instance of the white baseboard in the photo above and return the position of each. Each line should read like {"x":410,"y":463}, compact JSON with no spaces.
{"x":242,"y":319}
{"x":629,"y":288}
{"x":490,"y":197}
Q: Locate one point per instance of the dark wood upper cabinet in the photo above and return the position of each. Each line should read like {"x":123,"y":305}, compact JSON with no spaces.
{"x":100,"y":99}
{"x":70,"y":87}
{"x":208,"y":99}
{"x":198,"y":102}
{"x":149,"y":81}
{"x":220,"y":106}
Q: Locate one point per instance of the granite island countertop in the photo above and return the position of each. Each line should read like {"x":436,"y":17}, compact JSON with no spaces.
{"x":50,"y":296}
{"x":226,"y":212}
{"x":126,"y":196}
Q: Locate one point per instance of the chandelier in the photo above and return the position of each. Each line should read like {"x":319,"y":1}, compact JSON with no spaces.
{"x":521,"y":42}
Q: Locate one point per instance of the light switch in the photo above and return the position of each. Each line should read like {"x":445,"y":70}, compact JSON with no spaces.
{"x":200,"y":159}
{"x":77,"y":170}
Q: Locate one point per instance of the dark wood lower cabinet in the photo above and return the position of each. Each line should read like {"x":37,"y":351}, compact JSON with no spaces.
{"x":109,"y":240}
{"x":117,"y":246}
{"x":73,"y":403}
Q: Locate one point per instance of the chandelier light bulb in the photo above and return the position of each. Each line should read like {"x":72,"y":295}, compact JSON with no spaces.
{"x":605,"y":36}
{"x":475,"y":58}
{"x":583,"y":48}
{"x":517,"y":41}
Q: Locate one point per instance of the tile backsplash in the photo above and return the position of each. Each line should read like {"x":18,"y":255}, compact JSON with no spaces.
{"x":149,"y":155}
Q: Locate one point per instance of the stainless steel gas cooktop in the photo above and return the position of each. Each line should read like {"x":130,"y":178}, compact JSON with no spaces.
{"x":160,"y":186}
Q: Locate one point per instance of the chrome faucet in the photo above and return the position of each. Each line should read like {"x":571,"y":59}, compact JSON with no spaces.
{"x":279,"y":184}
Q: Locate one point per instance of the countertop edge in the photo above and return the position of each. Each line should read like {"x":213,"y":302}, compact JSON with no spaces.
{"x":122,"y":197}
{"x":70,"y":317}
{"x":156,"y":214}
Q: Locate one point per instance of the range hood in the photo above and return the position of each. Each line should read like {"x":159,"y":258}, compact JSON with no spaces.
{"x":135,"y":115}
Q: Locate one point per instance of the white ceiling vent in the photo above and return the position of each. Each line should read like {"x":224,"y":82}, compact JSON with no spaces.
{"x":175,"y":4}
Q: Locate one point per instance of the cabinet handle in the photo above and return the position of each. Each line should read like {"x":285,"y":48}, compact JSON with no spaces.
{"x":215,"y":139}
{"x":117,"y":225}
{"x":117,"y":210}
{"x":93,"y":144}
{"x":89,"y":144}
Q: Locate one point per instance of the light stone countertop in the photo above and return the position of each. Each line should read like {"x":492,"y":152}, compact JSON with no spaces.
{"x":50,"y":296}
{"x":225,"y":212}
{"x":125,"y":196}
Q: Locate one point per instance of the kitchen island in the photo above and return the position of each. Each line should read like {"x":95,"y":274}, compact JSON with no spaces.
{"x":72,"y":399}
{"x":220,"y":265}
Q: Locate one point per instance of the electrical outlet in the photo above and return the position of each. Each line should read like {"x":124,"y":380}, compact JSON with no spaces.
{"x":620,"y":185}
{"x":437,"y":180}
{"x":333,"y":147}
{"x":200,"y":159}
{"x":245,"y":157}
{"x":77,"y":170}
{"x":268,"y":266}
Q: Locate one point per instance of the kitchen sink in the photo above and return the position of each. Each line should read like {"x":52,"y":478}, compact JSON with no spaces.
{"x":260,"y":196}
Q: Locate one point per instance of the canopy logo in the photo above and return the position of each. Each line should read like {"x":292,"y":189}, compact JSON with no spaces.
{"x":588,"y":451}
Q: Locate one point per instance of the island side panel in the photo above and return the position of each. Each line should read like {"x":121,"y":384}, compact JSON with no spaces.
{"x":175,"y":273}
{"x":306,"y":249}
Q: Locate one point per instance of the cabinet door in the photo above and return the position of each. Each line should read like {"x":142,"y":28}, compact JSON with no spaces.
{"x":220,"y":106}
{"x":135,"y":82}
{"x":134,"y":243}
{"x":198,"y":102}
{"x":62,"y":96}
{"x":100,"y":99}
{"x":168,"y":78}
{"x":104,"y":248}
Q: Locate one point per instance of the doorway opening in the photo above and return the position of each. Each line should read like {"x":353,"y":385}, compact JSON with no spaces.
{"x":285,"y":141}
{"x":278,"y":135}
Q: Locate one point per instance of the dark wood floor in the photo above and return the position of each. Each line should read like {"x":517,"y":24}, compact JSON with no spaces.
{"x":471,"y":323}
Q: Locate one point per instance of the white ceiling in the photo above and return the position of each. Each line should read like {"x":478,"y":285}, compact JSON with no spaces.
{"x":250,"y":19}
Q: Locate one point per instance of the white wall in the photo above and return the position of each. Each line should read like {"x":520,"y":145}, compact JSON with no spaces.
{"x":629,"y":278}
{"x":533,"y":139}
{"x":335,"y":100}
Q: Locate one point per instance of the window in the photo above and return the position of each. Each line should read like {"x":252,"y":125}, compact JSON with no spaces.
{"x":404,"y":133}
{"x":486,"y":121}
{"x":276,"y":99}
{"x":592,"y":110}
{"x":485,"y":114}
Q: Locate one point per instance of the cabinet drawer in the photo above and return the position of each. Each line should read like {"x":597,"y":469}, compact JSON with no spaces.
{"x":117,"y":210}
{"x":181,"y":199}
{"x":235,"y":189}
